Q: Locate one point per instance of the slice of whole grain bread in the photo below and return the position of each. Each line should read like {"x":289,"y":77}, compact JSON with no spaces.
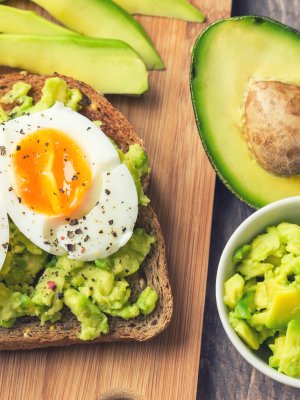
{"x":27,"y":332}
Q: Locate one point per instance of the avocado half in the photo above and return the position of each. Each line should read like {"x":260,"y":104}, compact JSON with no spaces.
{"x":226,"y":57}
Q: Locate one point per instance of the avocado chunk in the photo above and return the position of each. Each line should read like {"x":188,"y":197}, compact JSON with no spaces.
{"x":245,"y":306}
{"x":290,"y":235}
{"x":15,"y":20}
{"x":18,"y":94}
{"x":227,"y":63}
{"x":180,"y":9}
{"x":93,"y":321}
{"x":23,"y":261}
{"x":136,"y":160}
{"x":233,"y":290}
{"x":104,"y":19}
{"x":277,"y":349}
{"x":94,"y":61}
{"x":258,"y":320}
{"x":147,"y":300}
{"x":127,"y":260}
{"x":241,"y":253}
{"x":56,"y":89}
{"x":261,"y":298}
{"x":12,"y":306}
{"x":244,"y":331}
{"x":290,"y":354}
{"x":285,"y":307}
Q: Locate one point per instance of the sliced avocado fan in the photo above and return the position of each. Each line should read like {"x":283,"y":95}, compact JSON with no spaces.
{"x":104,"y":19}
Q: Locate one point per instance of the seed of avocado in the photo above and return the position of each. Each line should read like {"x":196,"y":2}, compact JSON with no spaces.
{"x":180,"y":9}
{"x":227,"y":60}
{"x":104,"y":19}
{"x":109,"y":66}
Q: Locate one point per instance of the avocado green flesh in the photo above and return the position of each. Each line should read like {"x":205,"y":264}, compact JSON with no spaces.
{"x":15,"y":20}
{"x":285,"y":307}
{"x":55,"y":89}
{"x":225,"y":57}
{"x":267,"y":306}
{"x":180,"y":9}
{"x":109,"y":66}
{"x":290,"y":356}
{"x":104,"y":19}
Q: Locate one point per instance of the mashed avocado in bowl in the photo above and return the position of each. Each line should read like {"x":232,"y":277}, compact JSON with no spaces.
{"x":38,"y":284}
{"x":258,"y":290}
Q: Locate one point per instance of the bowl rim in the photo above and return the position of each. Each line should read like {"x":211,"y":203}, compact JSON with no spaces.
{"x":237,"y":342}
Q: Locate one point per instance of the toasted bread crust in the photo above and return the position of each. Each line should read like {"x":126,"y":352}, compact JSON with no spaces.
{"x":27,"y":332}
{"x":94,"y":106}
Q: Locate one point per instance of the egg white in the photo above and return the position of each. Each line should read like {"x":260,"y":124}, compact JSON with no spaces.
{"x":89,"y":233}
{"x":4,"y":234}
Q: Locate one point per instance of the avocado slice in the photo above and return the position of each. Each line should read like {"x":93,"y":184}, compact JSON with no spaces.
{"x":94,"y":61}
{"x":104,"y":19}
{"x":15,"y":20}
{"x":227,"y":57}
{"x":180,"y":9}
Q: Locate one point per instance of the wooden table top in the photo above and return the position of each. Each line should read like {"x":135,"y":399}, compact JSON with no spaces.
{"x":224,"y":374}
{"x":182,"y":186}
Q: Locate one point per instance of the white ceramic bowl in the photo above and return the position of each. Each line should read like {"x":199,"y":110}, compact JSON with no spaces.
{"x":284,"y":210}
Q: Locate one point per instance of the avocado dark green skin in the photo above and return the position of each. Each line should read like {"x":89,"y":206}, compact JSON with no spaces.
{"x":194,"y":71}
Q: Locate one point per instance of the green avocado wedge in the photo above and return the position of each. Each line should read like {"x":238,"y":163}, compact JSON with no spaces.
{"x":225,"y":57}
{"x":15,"y":20}
{"x":104,"y":19}
{"x":180,"y":9}
{"x":109,"y":66}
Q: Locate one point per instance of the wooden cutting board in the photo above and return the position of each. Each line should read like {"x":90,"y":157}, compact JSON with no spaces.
{"x":182,"y":189}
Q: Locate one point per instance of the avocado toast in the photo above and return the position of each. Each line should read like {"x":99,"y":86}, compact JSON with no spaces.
{"x":27,"y":332}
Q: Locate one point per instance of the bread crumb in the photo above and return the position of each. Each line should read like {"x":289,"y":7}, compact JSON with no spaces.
{"x":142,"y":283}
{"x":52,"y":327}
{"x":26,"y":332}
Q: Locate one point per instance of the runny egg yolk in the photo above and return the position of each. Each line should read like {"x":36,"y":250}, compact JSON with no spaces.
{"x":51,"y":171}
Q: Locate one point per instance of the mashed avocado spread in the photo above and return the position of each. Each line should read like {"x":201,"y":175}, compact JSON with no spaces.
{"x":34,"y":283}
{"x":263,"y":296}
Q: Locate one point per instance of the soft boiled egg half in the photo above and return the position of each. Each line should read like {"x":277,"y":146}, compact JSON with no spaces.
{"x":64,"y":185}
{"x":4,"y":233}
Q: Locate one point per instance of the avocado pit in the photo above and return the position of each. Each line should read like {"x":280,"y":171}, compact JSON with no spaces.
{"x":272,"y":126}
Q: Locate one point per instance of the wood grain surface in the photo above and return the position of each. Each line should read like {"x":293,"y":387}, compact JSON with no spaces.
{"x":182,"y":191}
{"x":224,"y":374}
